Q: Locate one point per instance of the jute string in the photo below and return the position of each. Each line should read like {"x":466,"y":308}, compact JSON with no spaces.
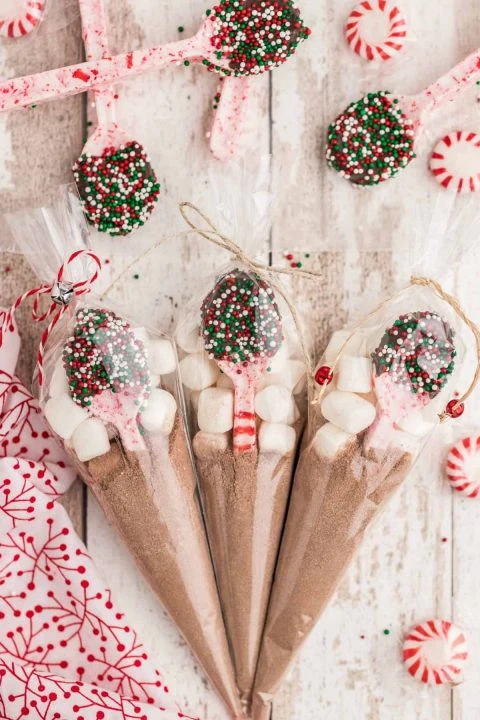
{"x":268,"y":272}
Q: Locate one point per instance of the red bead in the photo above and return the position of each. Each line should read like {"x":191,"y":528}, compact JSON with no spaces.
{"x":455,"y":409}
{"x":324,"y":375}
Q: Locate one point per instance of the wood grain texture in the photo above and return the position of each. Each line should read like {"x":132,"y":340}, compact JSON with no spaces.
{"x":404,"y":572}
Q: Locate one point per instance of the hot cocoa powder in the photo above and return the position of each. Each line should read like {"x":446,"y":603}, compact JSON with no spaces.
{"x":151,"y":500}
{"x":245,"y":498}
{"x":332,"y":504}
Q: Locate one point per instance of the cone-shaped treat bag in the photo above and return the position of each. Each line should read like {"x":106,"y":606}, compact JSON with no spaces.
{"x":110,"y":390}
{"x":244,"y":376}
{"x":379,"y":391}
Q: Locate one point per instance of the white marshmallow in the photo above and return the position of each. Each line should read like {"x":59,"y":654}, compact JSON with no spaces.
{"x":405,"y":441}
{"x":198,"y":372}
{"x":64,"y":415}
{"x":159,"y":415}
{"x":356,"y":344}
{"x":194,"y":396}
{"x":154,"y":380}
{"x":279,"y":360}
{"x":348,"y":411}
{"x":224,"y":382}
{"x":188,"y":337}
{"x":215,"y":410}
{"x":292,"y":377}
{"x":205,"y":443}
{"x":141,"y":334}
{"x":415,"y":424}
{"x":275,"y":403}
{"x":329,"y":440}
{"x":90,"y":440}
{"x":161,"y":356}
{"x":276,"y":438}
{"x":59,"y":381}
{"x":354,"y":374}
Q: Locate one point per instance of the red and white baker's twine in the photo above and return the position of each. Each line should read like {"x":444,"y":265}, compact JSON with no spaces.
{"x":79,"y":288}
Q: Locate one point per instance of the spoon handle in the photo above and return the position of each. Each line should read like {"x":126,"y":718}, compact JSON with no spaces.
{"x":244,"y":428}
{"x":53,"y":84}
{"x":229,"y":116}
{"x":450,"y":85}
{"x":95,"y":38}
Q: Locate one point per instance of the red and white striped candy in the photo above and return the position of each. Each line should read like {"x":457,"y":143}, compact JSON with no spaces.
{"x":463,"y":466}
{"x":20,"y":17}
{"x":455,"y":161}
{"x":376,"y":29}
{"x":436,"y":653}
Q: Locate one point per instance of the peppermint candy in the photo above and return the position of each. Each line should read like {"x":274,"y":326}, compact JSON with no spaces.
{"x":376,"y":29}
{"x":455,"y":161}
{"x":435,"y":653}
{"x":20,"y":17}
{"x":463,"y":466}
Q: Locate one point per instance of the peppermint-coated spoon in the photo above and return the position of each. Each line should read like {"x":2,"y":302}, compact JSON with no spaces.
{"x":242,"y":331}
{"x":234,"y":39}
{"x":107,"y":371}
{"x":375,"y":137}
{"x":412,"y":365}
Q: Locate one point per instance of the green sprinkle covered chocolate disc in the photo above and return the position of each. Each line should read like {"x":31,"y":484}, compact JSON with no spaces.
{"x":418,"y":352}
{"x":371,"y":141}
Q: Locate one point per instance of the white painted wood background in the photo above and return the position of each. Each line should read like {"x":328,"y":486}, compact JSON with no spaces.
{"x":404,"y":572}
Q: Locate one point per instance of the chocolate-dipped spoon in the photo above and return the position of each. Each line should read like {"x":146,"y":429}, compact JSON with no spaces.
{"x":107,"y":371}
{"x":375,"y":137}
{"x":115,"y":180}
{"x":232,"y":40}
{"x":242,"y":331}
{"x":412,"y":365}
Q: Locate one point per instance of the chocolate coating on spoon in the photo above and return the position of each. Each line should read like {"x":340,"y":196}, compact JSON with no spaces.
{"x":371,"y":141}
{"x":255,"y":36}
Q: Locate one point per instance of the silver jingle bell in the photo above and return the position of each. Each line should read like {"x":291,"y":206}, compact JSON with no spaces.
{"x":62,"y":293}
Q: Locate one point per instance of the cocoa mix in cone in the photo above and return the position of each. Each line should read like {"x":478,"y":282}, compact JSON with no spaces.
{"x":245,"y":498}
{"x":333,"y":502}
{"x":150,"y":498}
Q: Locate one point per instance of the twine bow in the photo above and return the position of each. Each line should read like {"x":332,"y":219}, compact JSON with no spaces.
{"x":61,"y":293}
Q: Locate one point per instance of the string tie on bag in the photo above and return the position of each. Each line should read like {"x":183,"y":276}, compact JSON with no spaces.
{"x":61,"y":293}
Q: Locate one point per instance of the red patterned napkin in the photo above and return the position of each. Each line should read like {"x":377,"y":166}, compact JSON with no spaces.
{"x":66,"y":652}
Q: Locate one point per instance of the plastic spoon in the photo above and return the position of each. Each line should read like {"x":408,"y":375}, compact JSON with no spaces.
{"x":107,"y":372}
{"x":242,"y":331}
{"x":116,"y":182}
{"x":223,"y":44}
{"x":231,"y":105}
{"x":412,"y":365}
{"x":375,"y":137}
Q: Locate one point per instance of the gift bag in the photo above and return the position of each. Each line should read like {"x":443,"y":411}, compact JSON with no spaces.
{"x":381,"y":388}
{"x":109,"y":389}
{"x":243,"y":370}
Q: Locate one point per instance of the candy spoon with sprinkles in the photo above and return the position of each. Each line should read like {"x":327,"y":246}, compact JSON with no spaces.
{"x":412,"y":365}
{"x":242,"y":331}
{"x":376,"y":137}
{"x":234,"y":39}
{"x":116,"y":182}
{"x":107,"y":371}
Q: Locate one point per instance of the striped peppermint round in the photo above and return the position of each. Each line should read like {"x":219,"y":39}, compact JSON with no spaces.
{"x":20,"y":17}
{"x":463,"y":466}
{"x":436,"y":653}
{"x":455,"y":161}
{"x":376,"y":29}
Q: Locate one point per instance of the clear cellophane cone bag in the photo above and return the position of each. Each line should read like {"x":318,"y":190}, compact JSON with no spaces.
{"x":111,"y":392}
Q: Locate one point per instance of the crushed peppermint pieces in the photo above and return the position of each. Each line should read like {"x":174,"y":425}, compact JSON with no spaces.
{"x":118,"y":189}
{"x":417,"y":352}
{"x":103,"y":354}
{"x":254,"y":36}
{"x":371,"y":141}
{"x":240,"y":319}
